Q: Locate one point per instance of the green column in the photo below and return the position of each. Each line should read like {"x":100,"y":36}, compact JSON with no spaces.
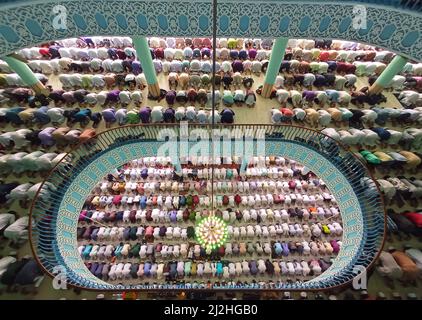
{"x":22,"y":69}
{"x":244,"y":165}
{"x":144,"y":56}
{"x":277,"y":55}
{"x":393,"y":68}
{"x":177,"y":166}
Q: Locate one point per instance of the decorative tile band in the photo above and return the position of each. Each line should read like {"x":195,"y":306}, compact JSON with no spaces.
{"x":24,"y":24}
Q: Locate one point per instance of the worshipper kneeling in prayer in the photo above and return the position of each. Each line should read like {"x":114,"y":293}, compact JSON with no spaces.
{"x":410,"y":271}
{"x":336,"y":116}
{"x":170,"y":97}
{"x":173,"y":79}
{"x":19,"y":193}
{"x":183,"y":80}
{"x":194,"y":81}
{"x":250,"y":99}
{"x":370,"y":157}
{"x":86,"y":135}
{"x":299,"y":114}
{"x":190,"y":113}
{"x":96,"y":118}
{"x":56,"y":115}
{"x":27,"y":115}
{"x":169,"y":115}
{"x":136,"y":97}
{"x":17,"y":232}
{"x":12,"y":116}
{"x":5,"y":190}
{"x":202,"y":97}
{"x":72,"y":137}
{"x":239,"y":97}
{"x":145,"y":114}
{"x":312,"y":117}
{"x":287,"y":114}
{"x":205,"y":81}
{"x":217,"y":117}
{"x":109,"y":116}
{"x":121,"y":115}
{"x":157,"y":114}
{"x":83,"y":116}
{"x":202,"y":116}
{"x":227,"y":81}
{"x":180,"y":113}
{"x":46,"y":137}
{"x":227,"y":116}
{"x":413,"y":161}
{"x":181,"y":97}
{"x":132,"y":116}
{"x":59,"y":136}
{"x":237,"y":80}
{"x":228,"y":98}
{"x":124,"y":97}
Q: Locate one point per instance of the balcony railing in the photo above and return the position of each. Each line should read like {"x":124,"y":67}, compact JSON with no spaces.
{"x":53,"y":246}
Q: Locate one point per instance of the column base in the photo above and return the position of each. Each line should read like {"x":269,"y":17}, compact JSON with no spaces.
{"x":39,"y":88}
{"x":375,"y":89}
{"x":154,"y":90}
{"x":266,"y":90}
